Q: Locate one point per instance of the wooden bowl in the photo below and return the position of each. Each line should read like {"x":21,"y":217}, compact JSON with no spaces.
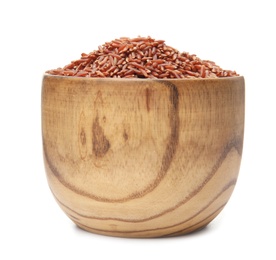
{"x":142,"y":157}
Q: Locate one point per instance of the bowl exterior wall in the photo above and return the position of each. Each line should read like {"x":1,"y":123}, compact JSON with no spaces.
{"x":142,"y":158}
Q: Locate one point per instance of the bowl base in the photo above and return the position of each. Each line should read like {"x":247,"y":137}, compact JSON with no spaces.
{"x":145,"y":234}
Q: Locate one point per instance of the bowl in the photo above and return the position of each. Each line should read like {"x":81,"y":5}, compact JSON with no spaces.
{"x":142,"y":157}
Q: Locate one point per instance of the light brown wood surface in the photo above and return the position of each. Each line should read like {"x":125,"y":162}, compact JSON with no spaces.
{"x":142,"y":158}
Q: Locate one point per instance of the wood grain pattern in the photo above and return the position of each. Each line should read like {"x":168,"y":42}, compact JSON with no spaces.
{"x":142,"y":158}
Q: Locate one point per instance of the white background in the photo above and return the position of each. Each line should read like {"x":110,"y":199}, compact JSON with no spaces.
{"x":40,"y":35}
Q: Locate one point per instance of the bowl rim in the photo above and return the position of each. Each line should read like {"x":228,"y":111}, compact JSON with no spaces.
{"x":46,"y":75}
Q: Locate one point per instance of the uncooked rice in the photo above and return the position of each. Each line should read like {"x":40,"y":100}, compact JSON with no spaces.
{"x":141,"y":57}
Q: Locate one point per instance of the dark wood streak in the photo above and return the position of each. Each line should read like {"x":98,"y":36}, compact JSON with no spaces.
{"x":174,"y":124}
{"x":101,"y":150}
{"x":225,"y":188}
{"x":72,"y":216}
{"x":100,"y":143}
{"x":212,"y":216}
{"x":125,"y":135}
{"x":214,"y":213}
{"x":82,"y":137}
{"x":235,"y":143}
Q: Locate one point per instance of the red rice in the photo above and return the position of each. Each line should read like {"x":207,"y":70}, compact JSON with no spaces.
{"x":141,"y":57}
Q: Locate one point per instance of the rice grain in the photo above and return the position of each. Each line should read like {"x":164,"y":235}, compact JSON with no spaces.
{"x":141,"y":57}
